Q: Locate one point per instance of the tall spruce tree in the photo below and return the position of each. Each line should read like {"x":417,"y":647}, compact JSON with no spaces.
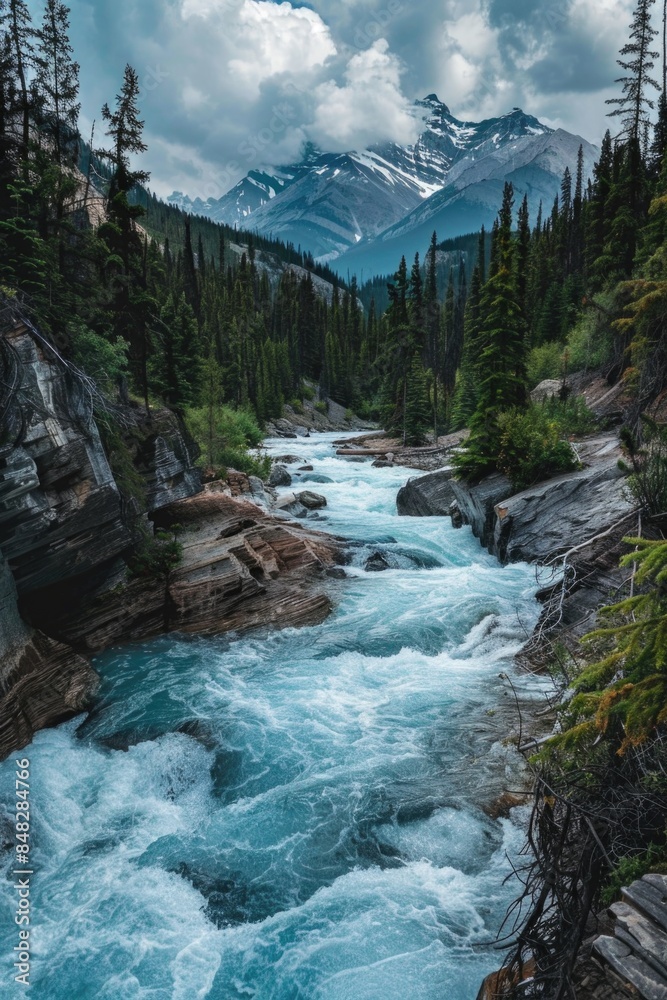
{"x":57,"y":84}
{"x":638,"y":62}
{"x":125,"y":260}
{"x":502,"y":342}
{"x":16,"y":22}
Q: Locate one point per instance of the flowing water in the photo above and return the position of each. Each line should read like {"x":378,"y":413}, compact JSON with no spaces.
{"x":292,"y":815}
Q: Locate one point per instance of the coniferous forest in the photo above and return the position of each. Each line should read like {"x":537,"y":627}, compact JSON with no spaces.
{"x":161,"y":309}
{"x":166,"y":304}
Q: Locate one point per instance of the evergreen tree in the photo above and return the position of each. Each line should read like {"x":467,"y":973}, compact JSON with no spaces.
{"x":467,"y":382}
{"x":57,"y":84}
{"x":16,"y":21}
{"x":125,"y":261}
{"x":176,"y":366}
{"x":503,"y":351}
{"x":211,"y":400}
{"x":417,"y":415}
{"x":633,"y":106}
{"x":125,"y":129}
{"x":432,"y":326}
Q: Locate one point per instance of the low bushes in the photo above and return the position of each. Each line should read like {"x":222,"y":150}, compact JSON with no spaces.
{"x":533,"y":441}
{"x":532,"y":447}
{"x":226,"y":437}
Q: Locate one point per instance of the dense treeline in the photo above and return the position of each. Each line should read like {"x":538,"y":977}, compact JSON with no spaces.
{"x":166,"y":304}
{"x":148,"y":300}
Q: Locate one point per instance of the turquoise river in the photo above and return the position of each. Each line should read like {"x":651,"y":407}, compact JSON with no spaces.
{"x":316,"y":833}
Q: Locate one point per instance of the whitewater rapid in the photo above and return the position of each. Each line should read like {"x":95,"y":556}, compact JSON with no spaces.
{"x":292,"y":815}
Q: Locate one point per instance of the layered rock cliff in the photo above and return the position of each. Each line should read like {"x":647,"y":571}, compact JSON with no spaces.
{"x":76,"y":504}
{"x":572,"y":525}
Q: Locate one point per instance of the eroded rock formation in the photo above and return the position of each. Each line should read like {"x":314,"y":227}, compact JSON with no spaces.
{"x":70,"y":520}
{"x":577,"y":521}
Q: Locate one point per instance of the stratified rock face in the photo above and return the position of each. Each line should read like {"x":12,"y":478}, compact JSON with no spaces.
{"x":539,"y":523}
{"x":65,"y":530}
{"x":42,"y":682}
{"x":476,"y":506}
{"x":551,"y":518}
{"x":240,"y":569}
{"x":64,"y":525}
{"x":165,"y":460}
{"x":60,"y":508}
{"x":580,"y":517}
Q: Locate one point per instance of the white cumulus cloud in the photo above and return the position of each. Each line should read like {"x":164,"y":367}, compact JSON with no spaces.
{"x":368,"y":106}
{"x":278,"y":38}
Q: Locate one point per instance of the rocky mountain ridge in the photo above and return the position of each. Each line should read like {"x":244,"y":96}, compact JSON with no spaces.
{"x":350,"y":206}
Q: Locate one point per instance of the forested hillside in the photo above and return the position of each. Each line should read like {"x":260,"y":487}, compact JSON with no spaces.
{"x":140,"y":293}
{"x":144,"y":298}
{"x":163,"y":310}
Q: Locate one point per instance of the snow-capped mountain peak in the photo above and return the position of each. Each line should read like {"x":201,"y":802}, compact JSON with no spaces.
{"x":331,"y":202}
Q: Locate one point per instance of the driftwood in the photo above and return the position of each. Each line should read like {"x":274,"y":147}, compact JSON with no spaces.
{"x":363,"y":452}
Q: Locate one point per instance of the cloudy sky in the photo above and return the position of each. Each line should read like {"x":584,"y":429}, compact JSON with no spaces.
{"x":229,"y":85}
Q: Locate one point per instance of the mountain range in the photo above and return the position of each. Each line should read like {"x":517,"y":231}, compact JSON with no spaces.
{"x":362,"y":210}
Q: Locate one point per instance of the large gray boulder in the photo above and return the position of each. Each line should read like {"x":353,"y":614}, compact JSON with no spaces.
{"x":300,"y":504}
{"x":312,"y":501}
{"x":554,"y":517}
{"x":280,"y":476}
{"x":547,"y":390}
{"x":427,"y":496}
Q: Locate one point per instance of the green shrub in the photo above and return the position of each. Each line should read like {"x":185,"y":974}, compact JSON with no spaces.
{"x":545,"y":362}
{"x":590,"y":344}
{"x":252,"y":463}
{"x":532,"y":447}
{"x":296,"y":405}
{"x":308,"y":392}
{"x":322,"y":407}
{"x":648,"y":481}
{"x":349,"y":415}
{"x":119,"y":454}
{"x":572,"y":415}
{"x":156,"y":557}
{"x":369,"y":409}
{"x":105,"y":361}
{"x":652,"y":860}
{"x":225,"y":437}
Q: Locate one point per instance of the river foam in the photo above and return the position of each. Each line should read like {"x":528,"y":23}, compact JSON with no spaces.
{"x":292,"y":814}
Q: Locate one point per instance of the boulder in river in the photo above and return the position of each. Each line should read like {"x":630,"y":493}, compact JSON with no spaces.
{"x":427,"y":496}
{"x":312,"y":501}
{"x":288,"y":459}
{"x":377,"y":563}
{"x":314,"y":478}
{"x":280,"y":476}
